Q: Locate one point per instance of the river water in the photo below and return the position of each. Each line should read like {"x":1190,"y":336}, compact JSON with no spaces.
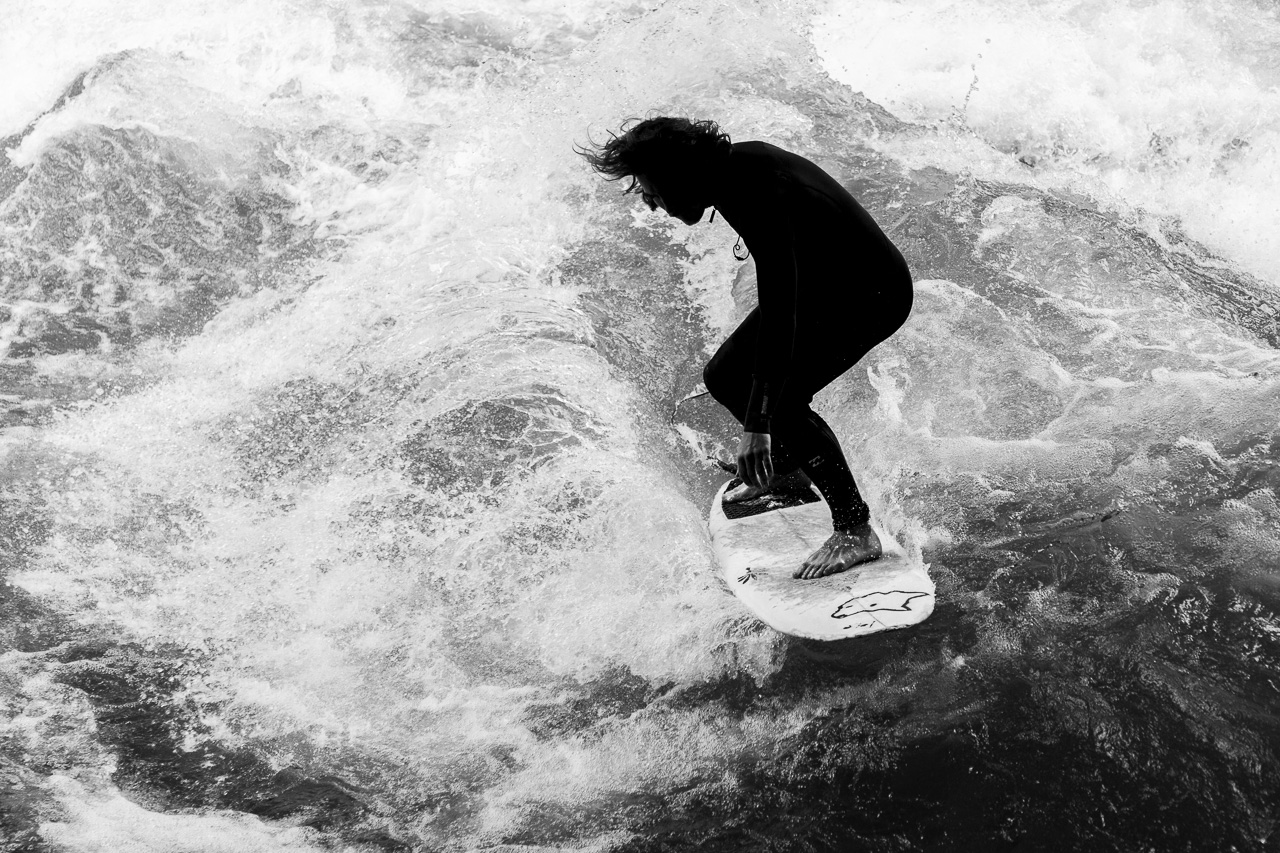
{"x":342,"y":506}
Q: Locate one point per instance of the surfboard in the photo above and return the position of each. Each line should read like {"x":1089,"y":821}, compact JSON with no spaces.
{"x":760,"y":543}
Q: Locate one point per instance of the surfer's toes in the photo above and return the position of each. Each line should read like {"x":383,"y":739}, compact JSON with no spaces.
{"x":821,"y":570}
{"x":840,"y":553}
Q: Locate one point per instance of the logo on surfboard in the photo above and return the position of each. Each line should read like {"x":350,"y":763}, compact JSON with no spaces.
{"x":862,"y":608}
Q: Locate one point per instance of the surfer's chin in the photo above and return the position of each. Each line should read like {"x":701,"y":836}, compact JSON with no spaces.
{"x":693,"y":218}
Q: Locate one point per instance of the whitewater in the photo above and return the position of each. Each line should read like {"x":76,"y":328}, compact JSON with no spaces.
{"x":345,"y":501}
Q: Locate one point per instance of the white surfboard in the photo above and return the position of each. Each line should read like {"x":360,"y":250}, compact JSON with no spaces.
{"x":760,"y":543}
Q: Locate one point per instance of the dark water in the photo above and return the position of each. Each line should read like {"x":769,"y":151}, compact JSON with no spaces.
{"x":342,"y":506}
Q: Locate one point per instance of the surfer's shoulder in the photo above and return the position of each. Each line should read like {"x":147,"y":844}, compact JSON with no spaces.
{"x":755,"y":154}
{"x":755,"y":162}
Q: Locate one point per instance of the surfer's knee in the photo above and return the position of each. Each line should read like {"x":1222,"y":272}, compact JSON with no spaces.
{"x":715,"y":377}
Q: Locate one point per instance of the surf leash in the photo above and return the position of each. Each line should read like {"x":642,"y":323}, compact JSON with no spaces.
{"x":728,"y":467}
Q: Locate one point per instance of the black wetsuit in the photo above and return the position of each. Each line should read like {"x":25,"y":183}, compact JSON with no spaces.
{"x":831,"y":287}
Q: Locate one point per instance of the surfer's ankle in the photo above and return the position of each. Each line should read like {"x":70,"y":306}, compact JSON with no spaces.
{"x":863,"y":540}
{"x":854,"y":530}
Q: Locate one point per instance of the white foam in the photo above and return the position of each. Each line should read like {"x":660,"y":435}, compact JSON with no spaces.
{"x":340,"y":604}
{"x":1164,"y":106}
{"x":103,"y":821}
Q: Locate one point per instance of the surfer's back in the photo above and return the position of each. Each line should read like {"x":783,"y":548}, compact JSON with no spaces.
{"x":832,"y":230}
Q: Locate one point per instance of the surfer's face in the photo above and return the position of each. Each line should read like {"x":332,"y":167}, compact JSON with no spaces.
{"x":673,"y":197}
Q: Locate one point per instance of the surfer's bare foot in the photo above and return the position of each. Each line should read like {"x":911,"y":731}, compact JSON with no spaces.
{"x":840,"y":552}
{"x":793,"y":482}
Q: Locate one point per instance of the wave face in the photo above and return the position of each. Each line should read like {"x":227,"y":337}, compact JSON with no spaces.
{"x":342,"y":503}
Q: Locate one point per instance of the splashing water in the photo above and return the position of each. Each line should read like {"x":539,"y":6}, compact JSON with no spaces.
{"x":341,"y":507}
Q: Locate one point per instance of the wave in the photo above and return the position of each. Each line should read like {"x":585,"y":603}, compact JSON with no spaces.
{"x":343,"y":504}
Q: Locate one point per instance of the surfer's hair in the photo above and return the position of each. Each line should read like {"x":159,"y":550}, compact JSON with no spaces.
{"x":661,"y":144}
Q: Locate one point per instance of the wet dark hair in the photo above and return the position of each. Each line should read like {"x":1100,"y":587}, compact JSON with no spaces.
{"x":661,"y":144}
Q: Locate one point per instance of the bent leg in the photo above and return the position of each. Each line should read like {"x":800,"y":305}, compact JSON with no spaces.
{"x":809,"y":438}
{"x":801,"y":438}
{"x":805,"y":439}
{"x":807,"y":442}
{"x":728,"y":373}
{"x":728,"y":380}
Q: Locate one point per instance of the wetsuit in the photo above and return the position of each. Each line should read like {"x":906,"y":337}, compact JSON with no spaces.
{"x":832,"y":286}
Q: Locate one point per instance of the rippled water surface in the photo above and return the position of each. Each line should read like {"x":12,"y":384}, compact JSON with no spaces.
{"x":342,"y":508}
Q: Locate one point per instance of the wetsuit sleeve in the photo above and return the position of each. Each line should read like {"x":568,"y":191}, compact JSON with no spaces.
{"x":769,"y":235}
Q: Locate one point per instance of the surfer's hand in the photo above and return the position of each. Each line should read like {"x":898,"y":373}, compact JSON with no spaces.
{"x":755,"y":463}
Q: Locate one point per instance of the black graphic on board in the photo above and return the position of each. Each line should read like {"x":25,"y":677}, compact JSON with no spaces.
{"x":861,"y":609}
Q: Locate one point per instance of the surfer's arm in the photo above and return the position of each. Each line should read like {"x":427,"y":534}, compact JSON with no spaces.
{"x":755,"y":459}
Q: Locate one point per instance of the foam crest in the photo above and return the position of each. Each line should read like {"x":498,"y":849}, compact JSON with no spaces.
{"x":1155,"y":106}
{"x":103,"y":821}
{"x":397,"y":502}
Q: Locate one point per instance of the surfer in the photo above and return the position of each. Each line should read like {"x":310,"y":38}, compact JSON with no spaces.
{"x":831,"y":287}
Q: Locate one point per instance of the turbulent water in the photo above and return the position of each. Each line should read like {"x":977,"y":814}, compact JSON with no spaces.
{"x":342,"y":506}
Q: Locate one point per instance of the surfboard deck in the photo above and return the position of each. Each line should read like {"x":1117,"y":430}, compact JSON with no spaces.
{"x":760,"y":543}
